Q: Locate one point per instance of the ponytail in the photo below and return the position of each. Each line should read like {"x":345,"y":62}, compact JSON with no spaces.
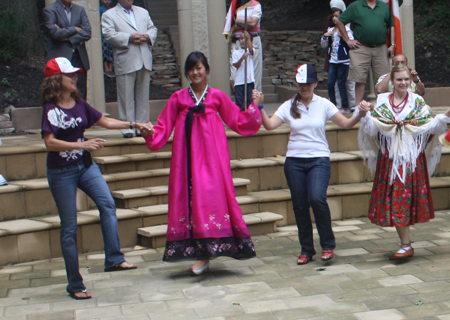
{"x":295,"y":113}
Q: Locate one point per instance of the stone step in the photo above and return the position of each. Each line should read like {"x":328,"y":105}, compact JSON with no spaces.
{"x":37,"y":237}
{"x":165,"y":23}
{"x":266,"y":89}
{"x":267,"y":81}
{"x":164,"y":15}
{"x":139,"y":197}
{"x":23,"y":162}
{"x":271,"y":97}
{"x":132,"y":187}
{"x":258,"y":224}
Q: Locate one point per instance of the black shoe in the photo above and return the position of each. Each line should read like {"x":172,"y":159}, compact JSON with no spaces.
{"x":127,"y":135}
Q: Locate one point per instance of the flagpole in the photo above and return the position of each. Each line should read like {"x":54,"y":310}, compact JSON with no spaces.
{"x":391,"y":18}
{"x":245,"y":65}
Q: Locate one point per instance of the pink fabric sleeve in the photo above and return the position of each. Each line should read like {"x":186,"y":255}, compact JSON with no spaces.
{"x":166,"y":123}
{"x":243,"y":122}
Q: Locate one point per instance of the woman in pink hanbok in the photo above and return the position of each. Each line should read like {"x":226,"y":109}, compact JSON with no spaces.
{"x":204,"y":218}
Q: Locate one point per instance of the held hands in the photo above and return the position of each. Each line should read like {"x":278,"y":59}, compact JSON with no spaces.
{"x":258,"y":97}
{"x":363,"y":108}
{"x":92,"y":144}
{"x":146,"y":129}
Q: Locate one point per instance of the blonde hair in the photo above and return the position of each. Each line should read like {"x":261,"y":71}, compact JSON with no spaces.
{"x":399,"y":68}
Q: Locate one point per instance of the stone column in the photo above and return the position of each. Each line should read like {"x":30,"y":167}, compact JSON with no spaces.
{"x":95,"y":83}
{"x":186,"y":31}
{"x":219,"y":57}
{"x":407,"y":13}
{"x":200,"y":24}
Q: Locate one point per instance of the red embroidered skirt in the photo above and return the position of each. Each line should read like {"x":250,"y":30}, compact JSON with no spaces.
{"x":400,"y":204}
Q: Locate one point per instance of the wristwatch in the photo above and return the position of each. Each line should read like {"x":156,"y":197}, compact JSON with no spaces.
{"x":418,"y":80}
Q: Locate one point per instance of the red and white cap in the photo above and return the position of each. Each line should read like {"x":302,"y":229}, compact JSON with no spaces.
{"x":60,"y":65}
{"x":306,"y":73}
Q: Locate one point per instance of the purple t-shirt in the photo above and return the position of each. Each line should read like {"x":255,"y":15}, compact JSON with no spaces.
{"x":68,"y":125}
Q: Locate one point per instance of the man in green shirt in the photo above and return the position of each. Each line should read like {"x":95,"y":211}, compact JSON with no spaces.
{"x":371,"y":20}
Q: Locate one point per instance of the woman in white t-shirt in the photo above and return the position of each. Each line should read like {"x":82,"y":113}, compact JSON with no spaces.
{"x":307,"y":166}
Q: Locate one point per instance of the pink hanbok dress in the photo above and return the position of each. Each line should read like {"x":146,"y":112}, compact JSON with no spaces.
{"x":204,"y":218}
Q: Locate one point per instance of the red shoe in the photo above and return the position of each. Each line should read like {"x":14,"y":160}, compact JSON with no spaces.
{"x":327,"y":255}
{"x":303,"y":259}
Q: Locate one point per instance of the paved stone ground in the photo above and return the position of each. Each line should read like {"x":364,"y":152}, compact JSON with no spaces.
{"x":359,"y":283}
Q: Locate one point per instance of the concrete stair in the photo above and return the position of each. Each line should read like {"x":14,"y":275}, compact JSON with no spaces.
{"x":163,"y":13}
{"x":138,"y":178}
{"x":258,"y":224}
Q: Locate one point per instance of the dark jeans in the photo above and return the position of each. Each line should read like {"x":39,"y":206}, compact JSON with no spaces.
{"x":63,"y":183}
{"x":308,"y":180}
{"x":339,"y":72}
{"x":239,"y":94}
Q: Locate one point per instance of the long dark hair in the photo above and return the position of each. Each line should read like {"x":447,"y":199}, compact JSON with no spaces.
{"x":332,"y":24}
{"x":295,"y":113}
{"x":51,"y":90}
{"x":192,"y":60}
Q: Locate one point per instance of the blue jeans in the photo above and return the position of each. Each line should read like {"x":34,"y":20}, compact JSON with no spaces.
{"x":63,"y":184}
{"x":339,"y":72}
{"x":308,"y":180}
{"x":239,"y":94}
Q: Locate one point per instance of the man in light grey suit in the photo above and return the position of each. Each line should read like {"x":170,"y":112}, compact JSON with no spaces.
{"x":130,"y":30}
{"x":68,"y":29}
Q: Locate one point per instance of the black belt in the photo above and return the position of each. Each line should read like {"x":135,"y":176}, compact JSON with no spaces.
{"x":255,"y":34}
{"x":372,"y":45}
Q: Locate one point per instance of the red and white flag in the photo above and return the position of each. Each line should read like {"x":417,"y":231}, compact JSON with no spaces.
{"x":395,"y":10}
{"x":230,"y":20}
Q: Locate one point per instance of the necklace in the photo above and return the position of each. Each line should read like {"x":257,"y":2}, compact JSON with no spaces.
{"x":398,"y":108}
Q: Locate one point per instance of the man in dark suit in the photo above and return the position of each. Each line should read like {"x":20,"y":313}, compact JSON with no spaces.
{"x":68,"y":29}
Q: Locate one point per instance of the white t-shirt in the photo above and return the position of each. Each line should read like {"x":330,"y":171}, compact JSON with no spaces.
{"x":307,"y":138}
{"x":240,"y":73}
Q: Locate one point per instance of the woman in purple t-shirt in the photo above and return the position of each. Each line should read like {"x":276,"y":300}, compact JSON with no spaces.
{"x":70,"y":166}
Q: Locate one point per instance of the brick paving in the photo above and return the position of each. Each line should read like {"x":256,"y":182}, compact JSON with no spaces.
{"x":359,"y":283}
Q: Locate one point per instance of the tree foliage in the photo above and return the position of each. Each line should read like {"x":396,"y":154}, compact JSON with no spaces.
{"x":20,"y":34}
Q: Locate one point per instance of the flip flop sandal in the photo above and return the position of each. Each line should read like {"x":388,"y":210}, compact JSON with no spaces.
{"x":74,"y":296}
{"x":119,"y":268}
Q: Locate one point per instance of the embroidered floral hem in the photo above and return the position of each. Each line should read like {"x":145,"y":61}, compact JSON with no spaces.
{"x":400,"y":204}
{"x":209,"y":248}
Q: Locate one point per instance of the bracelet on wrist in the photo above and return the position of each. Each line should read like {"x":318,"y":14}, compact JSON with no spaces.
{"x":261,"y":106}
{"x":131,"y":125}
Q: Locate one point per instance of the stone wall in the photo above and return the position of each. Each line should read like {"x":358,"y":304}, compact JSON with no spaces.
{"x":285,"y":50}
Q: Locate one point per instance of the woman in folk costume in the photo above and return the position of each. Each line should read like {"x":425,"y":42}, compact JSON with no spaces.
{"x":204,"y":218}
{"x":400,"y":142}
